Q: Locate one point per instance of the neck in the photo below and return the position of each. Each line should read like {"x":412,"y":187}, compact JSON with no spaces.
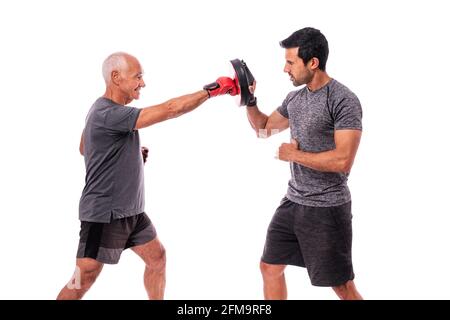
{"x":115,"y":96}
{"x":320,"y":79}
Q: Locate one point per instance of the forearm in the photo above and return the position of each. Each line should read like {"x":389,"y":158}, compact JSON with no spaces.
{"x":327,"y":161}
{"x":184,"y":104}
{"x":257,"y":119}
{"x":266,"y":126}
{"x":340,"y":159}
{"x":170,"y":109}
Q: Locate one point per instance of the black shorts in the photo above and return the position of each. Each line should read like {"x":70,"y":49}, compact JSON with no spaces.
{"x":105,"y":242}
{"x":318,"y":238}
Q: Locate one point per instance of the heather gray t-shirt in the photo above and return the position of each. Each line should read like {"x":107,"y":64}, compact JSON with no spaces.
{"x":313,"y":119}
{"x":114,"y":167}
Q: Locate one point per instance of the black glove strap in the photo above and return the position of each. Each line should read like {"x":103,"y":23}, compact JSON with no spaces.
{"x":211,"y":86}
{"x":252,"y":102}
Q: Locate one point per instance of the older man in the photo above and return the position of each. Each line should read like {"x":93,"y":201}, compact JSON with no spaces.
{"x":112,"y":202}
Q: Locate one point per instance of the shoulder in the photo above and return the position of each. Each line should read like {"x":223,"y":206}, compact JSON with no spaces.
{"x":102,"y":105}
{"x":339,"y":92}
{"x":102,"y":109}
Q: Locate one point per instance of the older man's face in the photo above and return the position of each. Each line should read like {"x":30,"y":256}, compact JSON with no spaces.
{"x":131,"y":80}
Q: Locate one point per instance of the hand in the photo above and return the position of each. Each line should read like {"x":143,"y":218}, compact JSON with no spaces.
{"x":252,"y":101}
{"x":223,"y":85}
{"x":252,"y":88}
{"x":287,"y":151}
{"x":144,"y":151}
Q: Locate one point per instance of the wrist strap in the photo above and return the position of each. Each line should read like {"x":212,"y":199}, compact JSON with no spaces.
{"x":252,"y":102}
{"x":210,"y":86}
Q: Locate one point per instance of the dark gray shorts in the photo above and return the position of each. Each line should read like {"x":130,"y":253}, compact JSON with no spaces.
{"x":105,"y":242}
{"x":318,"y":238}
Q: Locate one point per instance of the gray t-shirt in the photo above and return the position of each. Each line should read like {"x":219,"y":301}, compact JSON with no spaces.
{"x":114,"y":167}
{"x":313,"y":119}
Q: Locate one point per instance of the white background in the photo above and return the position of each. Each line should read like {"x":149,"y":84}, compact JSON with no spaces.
{"x":211,"y":186}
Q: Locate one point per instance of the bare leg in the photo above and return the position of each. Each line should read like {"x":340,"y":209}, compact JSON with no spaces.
{"x":86,"y":272}
{"x":274,"y":281}
{"x":348,"y":291}
{"x":154,"y":256}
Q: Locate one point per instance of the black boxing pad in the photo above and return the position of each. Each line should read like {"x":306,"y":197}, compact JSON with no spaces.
{"x":243,"y":79}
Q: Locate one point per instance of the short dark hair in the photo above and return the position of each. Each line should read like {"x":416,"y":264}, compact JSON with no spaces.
{"x":311,"y":42}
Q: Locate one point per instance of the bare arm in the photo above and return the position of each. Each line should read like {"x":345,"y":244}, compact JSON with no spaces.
{"x":339,"y":159}
{"x":264,"y":125}
{"x":170,"y":109}
{"x":82,"y":144}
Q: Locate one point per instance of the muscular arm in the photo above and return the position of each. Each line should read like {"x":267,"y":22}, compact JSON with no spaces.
{"x":264,"y":125}
{"x":170,"y":109}
{"x":339,"y":159}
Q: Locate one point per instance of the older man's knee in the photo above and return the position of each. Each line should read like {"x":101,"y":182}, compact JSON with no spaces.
{"x":86,"y":272}
{"x":158,"y":261}
{"x":88,"y":277}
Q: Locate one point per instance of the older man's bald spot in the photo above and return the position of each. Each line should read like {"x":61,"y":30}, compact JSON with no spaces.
{"x":120,"y":62}
{"x":132,"y":66}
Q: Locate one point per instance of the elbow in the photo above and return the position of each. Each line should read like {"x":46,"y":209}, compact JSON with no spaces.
{"x":345,"y":165}
{"x":259,"y":132}
{"x":262,"y":133}
{"x":266,"y":132}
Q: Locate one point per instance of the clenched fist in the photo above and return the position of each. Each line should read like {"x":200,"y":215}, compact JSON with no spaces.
{"x":287,"y":151}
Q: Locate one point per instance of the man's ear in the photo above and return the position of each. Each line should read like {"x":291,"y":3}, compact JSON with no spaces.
{"x":314,"y":63}
{"x":115,"y":77}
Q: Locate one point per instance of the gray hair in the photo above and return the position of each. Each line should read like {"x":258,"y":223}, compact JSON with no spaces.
{"x":115,"y":62}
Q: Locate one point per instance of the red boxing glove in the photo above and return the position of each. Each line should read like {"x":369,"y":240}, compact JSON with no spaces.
{"x":223,"y":85}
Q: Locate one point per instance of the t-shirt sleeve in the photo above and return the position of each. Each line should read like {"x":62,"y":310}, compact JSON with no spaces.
{"x":121,"y":118}
{"x":348,"y":114}
{"x":283,"y":109}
